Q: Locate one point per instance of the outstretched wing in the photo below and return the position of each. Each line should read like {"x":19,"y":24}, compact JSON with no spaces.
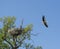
{"x":44,"y":21}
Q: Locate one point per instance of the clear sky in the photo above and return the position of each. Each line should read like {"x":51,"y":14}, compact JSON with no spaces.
{"x":31,"y":11}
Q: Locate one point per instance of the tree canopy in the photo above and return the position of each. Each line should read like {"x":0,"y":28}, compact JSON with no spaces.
{"x":12,"y":37}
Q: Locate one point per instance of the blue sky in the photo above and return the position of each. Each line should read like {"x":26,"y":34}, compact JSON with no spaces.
{"x":31,"y":11}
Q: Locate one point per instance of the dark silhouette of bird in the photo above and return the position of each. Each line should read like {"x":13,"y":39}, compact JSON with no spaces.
{"x":44,"y":21}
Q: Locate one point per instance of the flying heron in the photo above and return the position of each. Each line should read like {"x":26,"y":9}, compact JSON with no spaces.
{"x":44,"y":21}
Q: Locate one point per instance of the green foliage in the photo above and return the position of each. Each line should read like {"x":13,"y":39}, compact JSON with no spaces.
{"x":8,"y":41}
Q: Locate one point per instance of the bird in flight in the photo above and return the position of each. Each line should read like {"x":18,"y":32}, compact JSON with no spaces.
{"x":44,"y":21}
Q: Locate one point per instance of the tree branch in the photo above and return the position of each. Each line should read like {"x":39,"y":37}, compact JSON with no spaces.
{"x":20,"y":42}
{"x":9,"y":43}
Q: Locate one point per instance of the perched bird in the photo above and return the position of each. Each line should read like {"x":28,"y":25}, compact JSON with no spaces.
{"x":44,"y":21}
{"x":16,"y":31}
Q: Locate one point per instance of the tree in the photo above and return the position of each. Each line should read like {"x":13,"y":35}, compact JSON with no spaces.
{"x":12,"y":37}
